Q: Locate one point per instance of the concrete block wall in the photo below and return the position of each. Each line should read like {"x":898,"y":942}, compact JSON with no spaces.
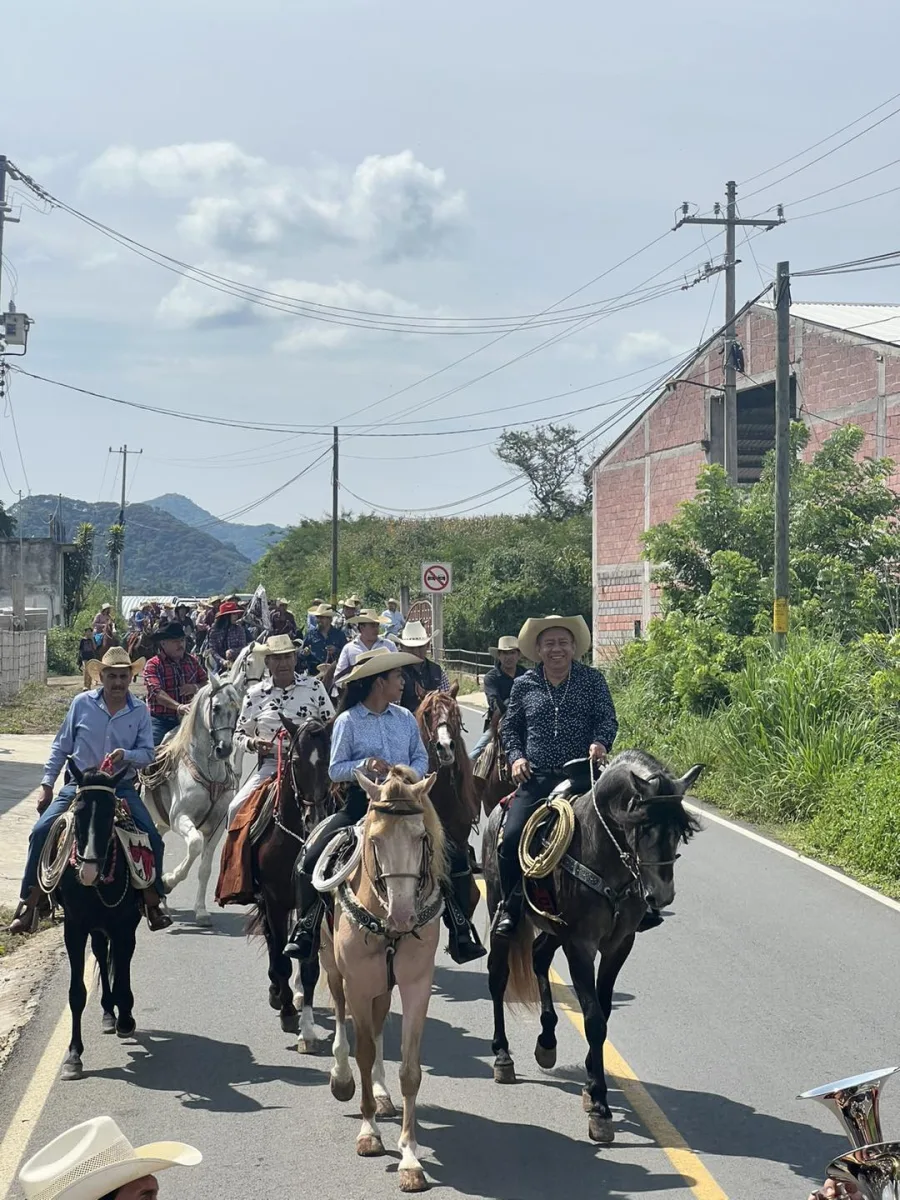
{"x":23,"y":659}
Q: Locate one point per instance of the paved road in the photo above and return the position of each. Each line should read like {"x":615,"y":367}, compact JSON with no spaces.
{"x":768,"y":978}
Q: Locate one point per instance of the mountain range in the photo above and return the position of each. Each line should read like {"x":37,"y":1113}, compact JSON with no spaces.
{"x":250,"y":540}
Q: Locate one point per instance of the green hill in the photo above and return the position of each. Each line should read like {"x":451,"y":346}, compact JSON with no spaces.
{"x":162,"y":554}
{"x":250,"y":540}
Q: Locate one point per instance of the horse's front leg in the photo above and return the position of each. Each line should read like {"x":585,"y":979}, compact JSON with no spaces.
{"x":123,"y":943}
{"x":281,"y":994}
{"x":185,"y":827}
{"x":545,"y":947}
{"x":384,"y":1105}
{"x":100,"y":948}
{"x":343,"y":1085}
{"x":210,"y":841}
{"x":368,"y":1141}
{"x":498,"y":978}
{"x":415,"y":995}
{"x":310,"y":1033}
{"x":581,"y":967}
{"x":76,"y":947}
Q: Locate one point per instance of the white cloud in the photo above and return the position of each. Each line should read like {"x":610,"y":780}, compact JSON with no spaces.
{"x":43,"y":166}
{"x":645,"y":345}
{"x":173,"y":170}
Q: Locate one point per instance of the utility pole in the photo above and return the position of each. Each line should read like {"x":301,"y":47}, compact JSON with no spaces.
{"x":780,"y":612}
{"x":124,"y":451}
{"x":733,"y":356}
{"x":335,"y":515}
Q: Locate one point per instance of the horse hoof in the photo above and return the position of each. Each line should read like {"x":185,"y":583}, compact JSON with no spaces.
{"x":384,"y":1107}
{"x":505,"y":1072}
{"x":290,"y":1022}
{"x":343,"y":1089}
{"x":275,"y":999}
{"x":72,"y":1068}
{"x":369,"y":1146}
{"x":586,"y":1102}
{"x":545,"y":1056}
{"x":126,"y":1029}
{"x":108,"y":1023}
{"x":204,"y":920}
{"x":412,"y":1179}
{"x":305,"y":1046}
{"x":600,"y":1129}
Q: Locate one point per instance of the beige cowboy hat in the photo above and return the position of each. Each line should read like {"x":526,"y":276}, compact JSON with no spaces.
{"x":278,"y":643}
{"x":376,"y":662}
{"x":115,"y":657}
{"x":320,"y":610}
{"x":504,"y":644}
{"x":370,"y":615}
{"x":393,"y":600}
{"x":351,"y":601}
{"x":95,"y":1158}
{"x":413,"y":633}
{"x":535,"y":626}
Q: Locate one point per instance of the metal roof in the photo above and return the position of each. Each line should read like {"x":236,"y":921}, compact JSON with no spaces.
{"x":878,"y":321}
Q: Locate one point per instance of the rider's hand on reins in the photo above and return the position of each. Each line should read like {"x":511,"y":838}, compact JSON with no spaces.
{"x":45,"y":799}
{"x":116,"y":757}
{"x":598,"y":752}
{"x":264,"y":747}
{"x":377,"y":767}
{"x":521,"y":770}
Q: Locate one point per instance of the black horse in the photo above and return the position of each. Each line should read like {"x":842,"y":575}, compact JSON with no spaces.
{"x":627,"y":831}
{"x":99,"y":901}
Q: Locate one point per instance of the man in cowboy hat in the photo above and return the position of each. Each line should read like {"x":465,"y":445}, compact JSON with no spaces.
{"x":172,"y":678}
{"x":497,"y":686}
{"x":393,"y":614}
{"x":425,"y":675}
{"x":349,"y":609}
{"x":96,"y":1161}
{"x":311,"y":619}
{"x":323,"y":643}
{"x":106,"y":723}
{"x":559,"y":710}
{"x":367,"y":623}
{"x":283,"y":693}
{"x":282,"y":619}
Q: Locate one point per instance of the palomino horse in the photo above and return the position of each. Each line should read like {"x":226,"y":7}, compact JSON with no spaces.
{"x":302,"y":790}
{"x":99,"y":900}
{"x":386,"y":931}
{"x":628,"y":827}
{"x":189,"y":787}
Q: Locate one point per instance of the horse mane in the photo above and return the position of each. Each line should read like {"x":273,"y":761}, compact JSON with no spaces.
{"x":663,"y":810}
{"x":445,"y":706}
{"x":177,"y":746}
{"x":397,"y":789}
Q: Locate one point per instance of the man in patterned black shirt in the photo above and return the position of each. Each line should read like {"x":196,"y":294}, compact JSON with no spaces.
{"x":559,"y":710}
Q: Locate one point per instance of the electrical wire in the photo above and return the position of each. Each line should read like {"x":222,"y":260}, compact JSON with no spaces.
{"x":12,"y":415}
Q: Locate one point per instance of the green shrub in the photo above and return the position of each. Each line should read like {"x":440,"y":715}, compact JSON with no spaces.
{"x":858,"y":823}
{"x":62,"y":650}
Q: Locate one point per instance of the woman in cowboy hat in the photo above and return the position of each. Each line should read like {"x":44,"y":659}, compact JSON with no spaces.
{"x":106,"y":723}
{"x":559,"y":710}
{"x":283,"y":693}
{"x":425,"y":675}
{"x":497,"y":685}
{"x":227,"y":636}
{"x":367,"y":623}
{"x":96,"y":1161}
{"x":172,"y":678}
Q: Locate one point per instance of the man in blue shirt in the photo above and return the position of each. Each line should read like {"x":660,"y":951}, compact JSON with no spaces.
{"x":105,"y":723}
{"x":323,"y":643}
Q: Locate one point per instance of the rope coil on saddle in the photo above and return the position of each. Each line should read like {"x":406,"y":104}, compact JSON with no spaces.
{"x":57,"y":852}
{"x":555,"y":840}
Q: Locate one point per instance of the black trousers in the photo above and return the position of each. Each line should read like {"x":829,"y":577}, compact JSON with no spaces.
{"x":527,"y":797}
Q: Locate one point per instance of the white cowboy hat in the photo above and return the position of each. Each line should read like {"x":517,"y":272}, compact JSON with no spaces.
{"x":376,"y":662}
{"x":95,"y":1158}
{"x":320,"y":610}
{"x":117,"y":656}
{"x":413,"y":633}
{"x":505,"y":643}
{"x":392,"y":600}
{"x":278,"y":643}
{"x":535,"y":626}
{"x":370,"y":615}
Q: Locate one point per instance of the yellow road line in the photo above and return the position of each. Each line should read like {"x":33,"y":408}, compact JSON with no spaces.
{"x":26,"y":1116}
{"x":688,"y":1164}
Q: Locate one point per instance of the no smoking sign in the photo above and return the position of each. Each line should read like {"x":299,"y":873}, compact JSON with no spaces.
{"x":437,"y":578}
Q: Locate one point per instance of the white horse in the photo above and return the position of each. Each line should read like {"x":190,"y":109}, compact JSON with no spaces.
{"x":192,"y":782}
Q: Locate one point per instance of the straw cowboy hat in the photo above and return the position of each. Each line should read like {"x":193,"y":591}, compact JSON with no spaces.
{"x":95,"y":1158}
{"x":368,"y":615}
{"x":320,"y":610}
{"x":413,"y":633}
{"x":393,"y":600}
{"x":535,"y":626}
{"x":278,"y":643}
{"x":505,"y":643}
{"x":377,"y":662}
{"x":116,"y":657}
{"x":351,"y":601}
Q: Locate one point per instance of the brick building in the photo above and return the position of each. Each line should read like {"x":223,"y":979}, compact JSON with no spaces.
{"x":845,"y":368}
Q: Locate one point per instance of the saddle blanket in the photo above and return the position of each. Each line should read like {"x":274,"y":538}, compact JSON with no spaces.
{"x":235,"y":883}
{"x":136,"y":848}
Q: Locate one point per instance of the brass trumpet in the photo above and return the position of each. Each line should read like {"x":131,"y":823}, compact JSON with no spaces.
{"x":854,"y":1102}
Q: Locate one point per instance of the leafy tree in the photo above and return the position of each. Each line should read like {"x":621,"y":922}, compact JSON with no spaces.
{"x":115,"y":544}
{"x":549,"y":457}
{"x":7,"y":522}
{"x":78,"y":569}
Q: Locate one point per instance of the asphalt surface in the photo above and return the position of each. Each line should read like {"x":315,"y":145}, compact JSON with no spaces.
{"x":766,"y":979}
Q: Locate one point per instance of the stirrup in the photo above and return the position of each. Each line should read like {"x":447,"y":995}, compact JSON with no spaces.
{"x":25,"y":909}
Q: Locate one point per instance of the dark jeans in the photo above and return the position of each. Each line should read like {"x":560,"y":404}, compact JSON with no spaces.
{"x":527,"y":797}
{"x":61,"y":802}
{"x":354,"y":810}
{"x":161,"y":726}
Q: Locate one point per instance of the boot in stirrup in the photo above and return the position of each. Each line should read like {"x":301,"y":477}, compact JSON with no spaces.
{"x":25,"y":919}
{"x":509,"y":911}
{"x":464,"y":944}
{"x":154,"y":907}
{"x":303,"y":940}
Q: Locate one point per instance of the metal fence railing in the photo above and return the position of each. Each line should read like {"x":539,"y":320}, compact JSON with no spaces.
{"x":468,"y":662}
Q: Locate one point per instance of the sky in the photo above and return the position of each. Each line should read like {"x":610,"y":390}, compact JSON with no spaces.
{"x":430,"y":164}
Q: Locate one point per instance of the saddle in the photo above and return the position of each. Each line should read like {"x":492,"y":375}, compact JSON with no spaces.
{"x":235,"y":884}
{"x":59,"y":849}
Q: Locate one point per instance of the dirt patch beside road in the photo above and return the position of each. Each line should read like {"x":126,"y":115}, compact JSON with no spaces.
{"x":39,"y":707}
{"x":24,"y":972}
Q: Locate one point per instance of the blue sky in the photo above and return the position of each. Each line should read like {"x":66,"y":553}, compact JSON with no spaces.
{"x":479,"y":160}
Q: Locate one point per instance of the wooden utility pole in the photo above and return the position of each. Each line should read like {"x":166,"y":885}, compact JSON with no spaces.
{"x":780,"y":613}
{"x":731,"y":221}
{"x":124,"y":451}
{"x":335,"y":516}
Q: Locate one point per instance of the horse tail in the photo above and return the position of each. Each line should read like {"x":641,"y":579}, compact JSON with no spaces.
{"x":522,"y":988}
{"x":257,"y":924}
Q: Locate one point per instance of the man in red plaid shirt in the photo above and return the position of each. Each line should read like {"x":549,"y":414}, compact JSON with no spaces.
{"x":172,"y":679}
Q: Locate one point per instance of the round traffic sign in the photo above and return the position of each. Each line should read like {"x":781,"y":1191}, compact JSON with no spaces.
{"x":436,"y":577}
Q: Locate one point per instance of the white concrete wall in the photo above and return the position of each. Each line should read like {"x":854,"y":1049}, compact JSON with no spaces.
{"x":23,"y":659}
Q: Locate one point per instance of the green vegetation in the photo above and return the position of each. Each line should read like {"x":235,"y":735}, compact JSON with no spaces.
{"x":806,"y":742}
{"x":38,"y":707}
{"x":9,"y":942}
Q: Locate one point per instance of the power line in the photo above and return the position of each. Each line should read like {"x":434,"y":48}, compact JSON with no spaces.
{"x":7,"y":390}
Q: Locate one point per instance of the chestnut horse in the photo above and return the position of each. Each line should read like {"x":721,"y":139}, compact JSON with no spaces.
{"x":490,"y":791}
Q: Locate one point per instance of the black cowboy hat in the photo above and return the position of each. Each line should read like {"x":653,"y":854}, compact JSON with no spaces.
{"x":169,"y":632}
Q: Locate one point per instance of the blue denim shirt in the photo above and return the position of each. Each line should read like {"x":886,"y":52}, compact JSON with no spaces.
{"x":89,"y":733}
{"x":360,"y":734}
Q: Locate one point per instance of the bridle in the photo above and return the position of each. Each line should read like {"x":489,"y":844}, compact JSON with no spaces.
{"x":290,"y":759}
{"x":629,"y":857}
{"x":112,"y":848}
{"x":444,"y":718}
{"x":379,"y":877}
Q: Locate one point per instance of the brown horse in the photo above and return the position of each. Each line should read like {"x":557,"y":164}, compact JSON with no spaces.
{"x":490,"y":791}
{"x":302,"y":800}
{"x":140,"y":644}
{"x":453,"y":794}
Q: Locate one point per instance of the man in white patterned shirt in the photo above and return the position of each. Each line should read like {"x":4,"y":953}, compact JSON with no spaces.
{"x":298,"y":697}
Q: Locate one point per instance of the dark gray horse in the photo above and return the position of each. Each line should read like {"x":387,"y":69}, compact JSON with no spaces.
{"x":627,"y":834}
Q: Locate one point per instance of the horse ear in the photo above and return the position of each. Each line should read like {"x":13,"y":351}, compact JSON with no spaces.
{"x":646,"y":789}
{"x":690,"y":777}
{"x":425,"y":785}
{"x":454,"y":688}
{"x":116,"y":779}
{"x":74,"y":772}
{"x":369,"y":786}
{"x":289,"y":725}
{"x":215,"y":681}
